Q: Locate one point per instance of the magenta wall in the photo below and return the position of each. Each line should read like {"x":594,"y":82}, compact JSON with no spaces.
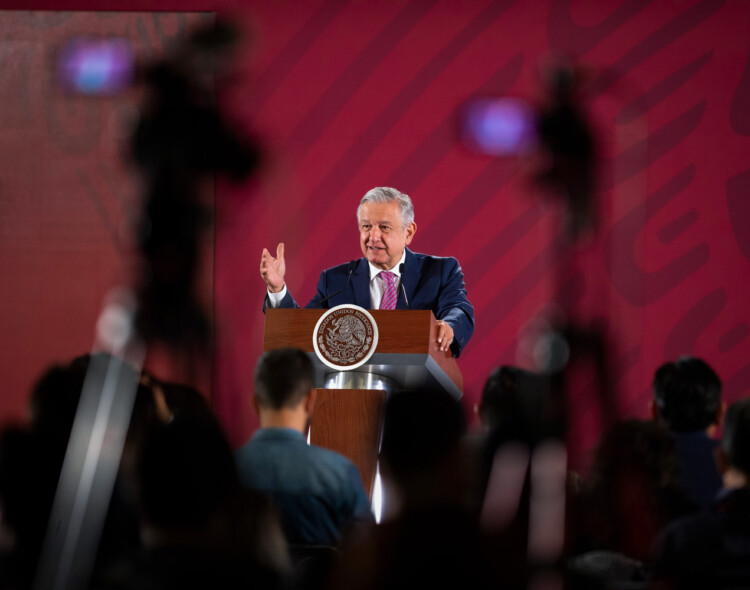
{"x":351,"y":95}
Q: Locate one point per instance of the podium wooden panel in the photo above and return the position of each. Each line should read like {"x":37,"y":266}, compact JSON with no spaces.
{"x":348,"y":420}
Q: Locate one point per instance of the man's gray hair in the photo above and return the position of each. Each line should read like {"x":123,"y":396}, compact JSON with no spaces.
{"x":386,"y":194}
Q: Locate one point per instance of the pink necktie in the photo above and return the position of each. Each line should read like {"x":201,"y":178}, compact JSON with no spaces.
{"x":390,"y":295}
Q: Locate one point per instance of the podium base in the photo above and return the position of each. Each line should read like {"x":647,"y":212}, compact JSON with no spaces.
{"x":350,"y":422}
{"x":358,"y":380}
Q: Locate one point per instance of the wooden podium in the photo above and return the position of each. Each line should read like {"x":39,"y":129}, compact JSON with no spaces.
{"x":348,"y":415}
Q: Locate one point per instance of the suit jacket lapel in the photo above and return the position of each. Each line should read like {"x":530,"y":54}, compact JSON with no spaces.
{"x":409,"y":280}
{"x":361,"y":283}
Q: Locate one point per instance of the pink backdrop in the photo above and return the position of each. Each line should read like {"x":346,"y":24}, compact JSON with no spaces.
{"x":351,"y":95}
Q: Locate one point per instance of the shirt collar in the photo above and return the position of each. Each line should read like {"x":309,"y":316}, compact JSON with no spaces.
{"x":277,"y":433}
{"x":375,"y":271}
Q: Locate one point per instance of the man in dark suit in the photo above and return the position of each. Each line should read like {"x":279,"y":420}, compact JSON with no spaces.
{"x":711,"y":549}
{"x":687,"y":398}
{"x":389,"y":275}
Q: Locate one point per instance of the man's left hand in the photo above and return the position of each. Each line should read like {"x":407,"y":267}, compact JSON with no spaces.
{"x":444,"y":335}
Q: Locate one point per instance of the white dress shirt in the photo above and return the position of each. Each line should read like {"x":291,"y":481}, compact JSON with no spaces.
{"x":377,"y":284}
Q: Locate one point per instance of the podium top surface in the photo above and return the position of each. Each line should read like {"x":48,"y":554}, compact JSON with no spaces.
{"x":406,"y":352}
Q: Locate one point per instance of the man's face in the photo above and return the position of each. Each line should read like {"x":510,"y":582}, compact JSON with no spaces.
{"x":382,"y":234}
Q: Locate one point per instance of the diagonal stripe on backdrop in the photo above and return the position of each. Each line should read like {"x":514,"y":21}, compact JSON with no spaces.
{"x":738,"y":114}
{"x":637,"y":286}
{"x":503,"y":241}
{"x":565,"y":34}
{"x":670,"y":32}
{"x":640,"y":156}
{"x":738,"y":385}
{"x":519,"y":287}
{"x":661,"y":91}
{"x":684,"y":336}
{"x":319,"y":117}
{"x":465,"y":205}
{"x":280,"y":67}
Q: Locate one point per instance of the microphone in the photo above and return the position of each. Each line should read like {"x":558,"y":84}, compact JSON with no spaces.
{"x":352,"y":266}
{"x":401,"y":271}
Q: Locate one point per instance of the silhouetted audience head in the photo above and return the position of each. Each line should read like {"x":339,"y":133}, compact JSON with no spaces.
{"x":431,"y":540}
{"x":522,"y":412}
{"x":186,"y":472}
{"x":54,"y":398}
{"x":200,"y":529}
{"x":687,"y":394}
{"x":283,"y":377}
{"x":31,"y":461}
{"x":633,"y":487}
{"x":735,"y":440}
{"x":516,"y":405}
{"x":420,"y":429}
{"x":174,"y":400}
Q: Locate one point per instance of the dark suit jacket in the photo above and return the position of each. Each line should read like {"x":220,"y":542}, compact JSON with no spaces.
{"x":698,"y":473}
{"x":710,"y":549}
{"x":431,"y":282}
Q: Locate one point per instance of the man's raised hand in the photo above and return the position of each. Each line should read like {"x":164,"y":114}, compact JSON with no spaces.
{"x":273,"y":269}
